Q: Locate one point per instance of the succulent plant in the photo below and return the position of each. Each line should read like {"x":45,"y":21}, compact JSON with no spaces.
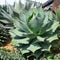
{"x":10,"y":55}
{"x":35,"y":32}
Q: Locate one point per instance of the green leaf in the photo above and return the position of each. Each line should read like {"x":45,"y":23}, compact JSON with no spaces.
{"x":55,"y":25}
{"x":46,"y":20}
{"x":22,"y":41}
{"x":47,"y":48}
{"x":52,"y":38}
{"x":34,"y":47}
{"x":50,"y":14}
{"x":35,"y":23}
{"x":18,"y":33}
{"x":40,"y":39}
{"x":7,"y":16}
{"x":41,"y":12}
{"x":24,"y":51}
{"x":24,"y":27}
{"x":23,"y":18}
{"x":16,"y":23}
{"x":12,"y":34}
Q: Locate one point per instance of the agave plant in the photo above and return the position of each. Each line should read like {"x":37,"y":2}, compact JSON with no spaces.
{"x":35,"y":33}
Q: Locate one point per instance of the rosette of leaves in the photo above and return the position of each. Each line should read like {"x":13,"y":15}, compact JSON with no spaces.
{"x":36,"y":33}
{"x":13,"y":55}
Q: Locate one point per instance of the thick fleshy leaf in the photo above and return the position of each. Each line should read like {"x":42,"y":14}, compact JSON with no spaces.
{"x":12,"y":34}
{"x":34,"y":47}
{"x":52,"y":38}
{"x":22,"y":41}
{"x":40,"y":39}
{"x":16,"y":23}
{"x":35,"y":23}
{"x":46,"y":28}
{"x":7,"y":16}
{"x":50,"y":14}
{"x":24,"y":51}
{"x":55,"y":25}
{"x":24,"y":27}
{"x":41,"y":12}
{"x":23,"y":18}
{"x":45,"y":20}
{"x":18,"y":33}
{"x":47,"y":48}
